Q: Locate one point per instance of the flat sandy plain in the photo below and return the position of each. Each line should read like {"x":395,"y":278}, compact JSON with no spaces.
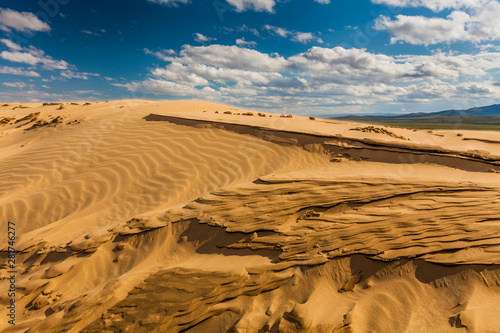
{"x":141,"y":216}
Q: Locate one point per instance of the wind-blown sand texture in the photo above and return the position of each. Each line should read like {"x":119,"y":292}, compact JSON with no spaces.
{"x":137,"y":216}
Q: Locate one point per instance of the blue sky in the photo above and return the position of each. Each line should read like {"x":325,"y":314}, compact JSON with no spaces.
{"x":306,"y":57}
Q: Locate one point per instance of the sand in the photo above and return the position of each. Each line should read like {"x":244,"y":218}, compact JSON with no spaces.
{"x":144,"y":216}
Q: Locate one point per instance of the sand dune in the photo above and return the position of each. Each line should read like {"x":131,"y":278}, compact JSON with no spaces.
{"x":139,"y":216}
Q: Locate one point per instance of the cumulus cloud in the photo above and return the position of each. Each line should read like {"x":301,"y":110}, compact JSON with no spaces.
{"x":319,"y":76}
{"x":35,"y":57}
{"x":156,"y":86}
{"x":350,"y":66}
{"x":473,"y":89}
{"x":256,"y":5}
{"x":232,"y":57}
{"x":239,"y":5}
{"x":303,"y":37}
{"x":202,"y":74}
{"x":177,"y":72}
{"x":243,"y":42}
{"x":424,"y":30}
{"x":18,"y":71}
{"x":165,"y":55}
{"x":203,"y":39}
{"x":21,"y":21}
{"x":435,"y":5}
{"x":30,"y":55}
{"x":476,"y":25}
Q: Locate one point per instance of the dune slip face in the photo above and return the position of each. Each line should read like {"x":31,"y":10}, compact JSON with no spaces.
{"x":189,"y":216}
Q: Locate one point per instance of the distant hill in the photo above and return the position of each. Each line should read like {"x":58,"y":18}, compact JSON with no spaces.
{"x":484,"y":111}
{"x":485,"y":117}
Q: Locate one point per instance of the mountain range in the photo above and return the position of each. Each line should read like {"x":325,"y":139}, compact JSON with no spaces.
{"x":483,"y":111}
{"x":478,"y":118}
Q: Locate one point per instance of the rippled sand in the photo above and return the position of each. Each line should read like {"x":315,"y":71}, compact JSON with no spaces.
{"x":143,"y":216}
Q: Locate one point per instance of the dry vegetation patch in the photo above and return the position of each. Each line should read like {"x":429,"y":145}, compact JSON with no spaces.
{"x":43,"y":123}
{"x":6,"y":120}
{"x":379,"y":130}
{"x":31,"y":117}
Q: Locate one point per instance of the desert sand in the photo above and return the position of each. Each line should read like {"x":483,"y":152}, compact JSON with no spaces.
{"x":188,"y":216}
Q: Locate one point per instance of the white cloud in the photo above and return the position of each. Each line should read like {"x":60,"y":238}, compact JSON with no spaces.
{"x":233,"y":57}
{"x":203,"y":39}
{"x":21,"y":21}
{"x":435,"y":5}
{"x":348,"y":65}
{"x":86,"y":92}
{"x":303,"y":37}
{"x":36,"y":96}
{"x":296,"y":36}
{"x":200,"y":74}
{"x":324,"y":2}
{"x":18,"y":71}
{"x":256,"y":5}
{"x":165,"y":55}
{"x":473,"y":89}
{"x":31,"y":56}
{"x":282,"y":32}
{"x":321,"y":76}
{"x":357,"y":65}
{"x":19,"y":85}
{"x":177,"y":72}
{"x":247,"y":29}
{"x":92,"y":33}
{"x":239,"y":5}
{"x":243,"y":42}
{"x":68,"y":74}
{"x":154,"y":86}
{"x":479,"y":24}
{"x":170,"y":2}
{"x":11,"y":45}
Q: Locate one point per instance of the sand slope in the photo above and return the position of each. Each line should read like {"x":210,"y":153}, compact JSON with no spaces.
{"x":137,"y":216}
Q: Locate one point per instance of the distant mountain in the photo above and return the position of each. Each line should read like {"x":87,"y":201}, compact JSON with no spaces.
{"x":484,"y":111}
{"x":479,"y":118}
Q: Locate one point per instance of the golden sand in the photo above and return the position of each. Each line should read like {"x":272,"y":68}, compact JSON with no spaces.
{"x":143,"y":216}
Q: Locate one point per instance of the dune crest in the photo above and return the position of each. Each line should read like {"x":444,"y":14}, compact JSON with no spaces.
{"x":140,"y":216}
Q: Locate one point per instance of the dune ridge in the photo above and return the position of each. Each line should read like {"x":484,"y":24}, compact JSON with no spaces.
{"x":139,"y":216}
